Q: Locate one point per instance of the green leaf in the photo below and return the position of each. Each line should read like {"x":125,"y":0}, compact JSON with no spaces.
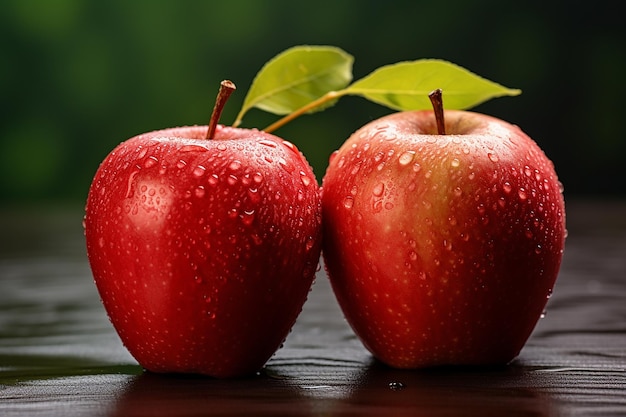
{"x":406,"y":85}
{"x":296,"y":77}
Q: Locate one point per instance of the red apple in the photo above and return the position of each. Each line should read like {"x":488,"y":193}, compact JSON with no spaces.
{"x":442,"y":249}
{"x":203,"y":251}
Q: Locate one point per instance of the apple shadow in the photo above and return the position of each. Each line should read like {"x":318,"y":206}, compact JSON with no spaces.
{"x":494,"y":391}
{"x":174,"y":395}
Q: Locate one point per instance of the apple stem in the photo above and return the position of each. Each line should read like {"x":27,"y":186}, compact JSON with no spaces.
{"x":436,"y":99}
{"x":226,"y":89}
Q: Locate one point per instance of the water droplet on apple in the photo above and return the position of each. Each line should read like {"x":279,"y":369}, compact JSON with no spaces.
{"x":306,"y":181}
{"x":458,"y":191}
{"x":447,"y":245}
{"x":253,"y":195}
{"x":257,"y":177}
{"x":406,"y":157}
{"x":214,"y":179}
{"x":256,"y":239}
{"x":267,"y":143}
{"x":199,"y":171}
{"x":527,"y":171}
{"x":247,"y":218}
{"x":538,"y":249}
{"x":199,"y":192}
{"x":232,"y":213}
{"x":309,"y":244}
{"x":521,"y":193}
{"x":234,"y":165}
{"x":285,"y":165}
{"x":378,"y":189}
{"x":232,"y":179}
{"x":455,"y":163}
{"x":150,"y":162}
{"x":348,"y":202}
{"x":181,"y":164}
{"x":506,"y":187}
{"x":493,"y":157}
{"x":412,"y":255}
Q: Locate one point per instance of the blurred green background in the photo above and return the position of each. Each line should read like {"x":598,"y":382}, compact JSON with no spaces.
{"x":78,"y":77}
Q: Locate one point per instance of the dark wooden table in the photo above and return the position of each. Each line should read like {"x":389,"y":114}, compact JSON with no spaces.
{"x":60,"y":356}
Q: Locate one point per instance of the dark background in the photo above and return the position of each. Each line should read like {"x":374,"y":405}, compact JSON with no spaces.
{"x":79,"y":77}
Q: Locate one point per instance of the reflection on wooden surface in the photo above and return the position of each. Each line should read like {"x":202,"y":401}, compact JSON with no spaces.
{"x":60,"y":356}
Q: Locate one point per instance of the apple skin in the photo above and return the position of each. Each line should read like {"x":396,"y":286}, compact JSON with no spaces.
{"x":203,"y":251}
{"x":442,"y":249}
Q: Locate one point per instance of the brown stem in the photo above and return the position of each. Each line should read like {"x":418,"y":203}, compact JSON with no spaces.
{"x":226,"y":89}
{"x":436,"y":99}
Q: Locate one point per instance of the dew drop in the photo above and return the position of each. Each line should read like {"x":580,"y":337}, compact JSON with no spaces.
{"x":493,"y":157}
{"x":416,"y":167}
{"x":378,"y":189}
{"x":214,"y":179}
{"x":268,"y":143}
{"x":285,"y":165}
{"x":306,"y":180}
{"x":247,"y":218}
{"x":181,"y":164}
{"x":348,"y":202}
{"x":309,"y":244}
{"x":458,"y":191}
{"x":199,"y":192}
{"x":221,"y":146}
{"x":506,"y":187}
{"x":455,"y":163}
{"x":522,"y":194}
{"x":412,"y":255}
{"x":199,"y":171}
{"x":257,"y":178}
{"x":256,"y":239}
{"x":406,"y":157}
{"x":235,"y":165}
{"x":253,"y":194}
{"x":150,"y":162}
{"x":527,"y":171}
